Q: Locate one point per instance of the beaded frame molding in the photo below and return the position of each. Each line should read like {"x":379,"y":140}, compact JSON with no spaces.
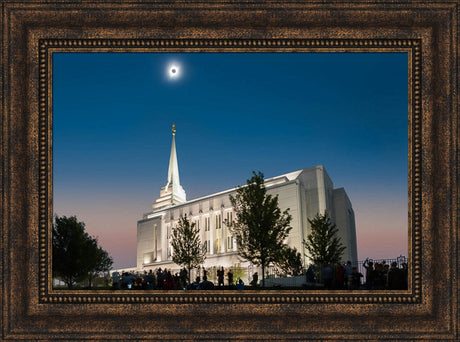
{"x":33,"y":30}
{"x":48,"y":47}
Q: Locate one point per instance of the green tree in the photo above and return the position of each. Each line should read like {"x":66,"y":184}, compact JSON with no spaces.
{"x":187,"y":248}
{"x":289,"y":262}
{"x":259,"y":227}
{"x":101,"y":261}
{"x":76,"y":255}
{"x":322,"y":244}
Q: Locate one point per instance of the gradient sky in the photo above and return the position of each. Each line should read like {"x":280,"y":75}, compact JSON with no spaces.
{"x":234,"y":113}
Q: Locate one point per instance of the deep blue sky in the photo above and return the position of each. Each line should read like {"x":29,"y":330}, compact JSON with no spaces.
{"x":234,"y":113}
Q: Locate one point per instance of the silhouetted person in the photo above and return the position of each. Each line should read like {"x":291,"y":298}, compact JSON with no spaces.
{"x":339,"y":276}
{"x":255,"y":279}
{"x":206,"y":284}
{"x":168,"y":281}
{"x":196,"y":284}
{"x":160,"y":279}
{"x":395,"y":278}
{"x":220,"y":276}
{"x":116,"y":280}
{"x":311,"y":274}
{"x":355,"y":279}
{"x":378,"y":277}
{"x":369,"y":266}
{"x":150,"y":280}
{"x":386,"y":269}
{"x":405,"y":270}
{"x":347,"y":274}
{"x":230,"y":278}
{"x":127,"y":280}
{"x":327,"y":274}
{"x":183,"y":276}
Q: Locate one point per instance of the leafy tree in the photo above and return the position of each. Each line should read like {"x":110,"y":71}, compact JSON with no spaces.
{"x":76,"y":255}
{"x":187,"y":248}
{"x":101,"y":260}
{"x":260,"y":227}
{"x":323,"y":244}
{"x":289,"y":262}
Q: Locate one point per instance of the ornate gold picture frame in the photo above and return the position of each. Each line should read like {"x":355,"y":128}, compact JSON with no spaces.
{"x":33,"y":30}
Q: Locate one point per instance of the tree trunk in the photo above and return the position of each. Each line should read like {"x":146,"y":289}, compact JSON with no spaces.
{"x":263,"y":275}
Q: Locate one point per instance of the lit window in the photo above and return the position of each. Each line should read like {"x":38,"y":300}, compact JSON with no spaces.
{"x":230,"y":242}
{"x":229,"y":216}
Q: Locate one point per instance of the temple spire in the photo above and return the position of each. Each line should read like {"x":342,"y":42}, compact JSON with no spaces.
{"x":172,"y":192}
{"x":173,"y":170}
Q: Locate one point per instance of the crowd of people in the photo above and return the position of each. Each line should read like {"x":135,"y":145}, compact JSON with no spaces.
{"x":379,"y":276}
{"x":163,"y":279}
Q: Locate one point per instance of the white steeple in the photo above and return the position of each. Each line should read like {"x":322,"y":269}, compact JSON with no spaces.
{"x":172,"y":192}
{"x":173,"y":170}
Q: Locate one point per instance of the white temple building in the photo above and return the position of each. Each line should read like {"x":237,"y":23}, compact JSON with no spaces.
{"x":305,"y":192}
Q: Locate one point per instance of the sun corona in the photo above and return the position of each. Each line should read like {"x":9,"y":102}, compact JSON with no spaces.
{"x":173,"y":71}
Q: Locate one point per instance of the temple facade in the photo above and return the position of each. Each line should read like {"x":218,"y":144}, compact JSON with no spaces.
{"x":305,"y":192}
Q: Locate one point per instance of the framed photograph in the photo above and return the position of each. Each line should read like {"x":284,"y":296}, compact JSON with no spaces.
{"x":293,"y":116}
{"x":93,"y":95}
